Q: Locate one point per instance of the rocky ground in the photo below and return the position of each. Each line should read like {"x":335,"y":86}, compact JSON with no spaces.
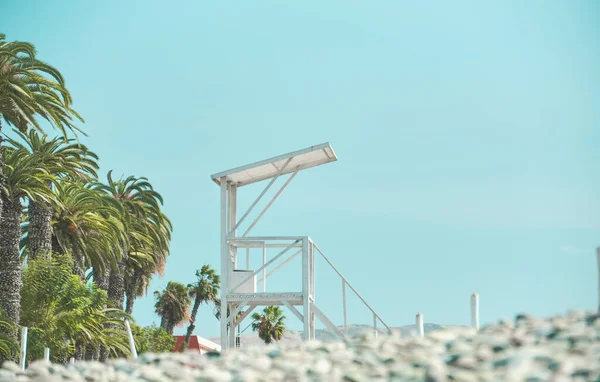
{"x":564,"y":348}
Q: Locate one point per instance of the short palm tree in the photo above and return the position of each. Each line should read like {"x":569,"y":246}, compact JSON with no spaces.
{"x":172,"y":305}
{"x":24,"y":178}
{"x":269,"y":324}
{"x":204,"y":290}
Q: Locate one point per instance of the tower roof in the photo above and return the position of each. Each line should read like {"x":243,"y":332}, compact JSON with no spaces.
{"x":255,"y":172}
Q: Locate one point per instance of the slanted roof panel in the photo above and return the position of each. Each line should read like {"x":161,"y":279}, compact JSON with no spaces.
{"x":268,"y":168}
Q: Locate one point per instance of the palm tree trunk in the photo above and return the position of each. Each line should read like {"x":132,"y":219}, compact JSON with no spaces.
{"x":40,"y":233}
{"x":10,"y":261}
{"x":131,"y":290}
{"x":101,"y":278}
{"x":79,"y":350}
{"x":56,"y":247}
{"x":78,"y":265}
{"x":2,"y":180}
{"x":191,"y":326}
{"x":116,"y":285}
{"x":164,"y":323}
{"x":167,"y":324}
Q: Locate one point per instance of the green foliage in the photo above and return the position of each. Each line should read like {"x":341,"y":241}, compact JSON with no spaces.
{"x":62,"y":313}
{"x":8,"y":346}
{"x":270,"y":324}
{"x":152,"y":339}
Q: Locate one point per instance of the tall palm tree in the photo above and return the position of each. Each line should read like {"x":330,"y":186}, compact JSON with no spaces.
{"x":148,"y":229}
{"x":30,"y":88}
{"x":172,"y":305}
{"x":87,"y":225}
{"x":204,"y":290}
{"x":24,"y":178}
{"x":147,"y":256}
{"x":65,"y":160}
{"x":270,"y":325}
{"x":139,"y":270}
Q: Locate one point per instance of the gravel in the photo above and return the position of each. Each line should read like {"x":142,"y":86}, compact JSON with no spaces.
{"x":561,"y":348}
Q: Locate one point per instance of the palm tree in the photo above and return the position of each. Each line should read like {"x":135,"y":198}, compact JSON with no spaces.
{"x":31,"y":88}
{"x":148,"y":229}
{"x":147,"y":256}
{"x":172,"y":305}
{"x":24,"y":178}
{"x":87,"y":225}
{"x":205,"y":289}
{"x":66,"y":160}
{"x":270,"y":324}
{"x":139,"y":270}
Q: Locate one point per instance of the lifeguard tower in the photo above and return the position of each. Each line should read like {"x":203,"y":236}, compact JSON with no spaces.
{"x":239,"y":285}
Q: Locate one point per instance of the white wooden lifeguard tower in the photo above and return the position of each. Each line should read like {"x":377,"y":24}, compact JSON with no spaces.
{"x":239,"y":285}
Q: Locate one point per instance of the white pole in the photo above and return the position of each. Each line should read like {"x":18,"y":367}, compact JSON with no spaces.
{"x":475,"y":311}
{"x":72,"y":361}
{"x":306,"y":289}
{"x":23,"y":354}
{"x":248,"y":258}
{"x":47,"y":354}
{"x":420,"y":325}
{"x":264,"y":269}
{"x":598,"y":258}
{"x":131,"y":341}
{"x":225,"y":267}
{"x":344,"y":304}
{"x":375,"y":324}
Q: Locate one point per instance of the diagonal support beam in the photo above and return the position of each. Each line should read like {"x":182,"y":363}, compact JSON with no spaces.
{"x":279,"y":266}
{"x":293,"y":310}
{"x":232,"y":290}
{"x":270,"y":203}
{"x":325,"y":320}
{"x":245,"y":314}
{"x":238,"y":309}
{"x":259,"y":197}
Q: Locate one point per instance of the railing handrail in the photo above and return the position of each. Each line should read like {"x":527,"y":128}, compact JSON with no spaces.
{"x":351,"y":287}
{"x":265,"y":238}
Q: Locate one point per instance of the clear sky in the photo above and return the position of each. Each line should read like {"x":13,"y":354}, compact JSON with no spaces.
{"x":467,"y":134}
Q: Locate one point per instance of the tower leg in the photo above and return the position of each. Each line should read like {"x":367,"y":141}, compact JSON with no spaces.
{"x":232,"y":327}
{"x":306,"y":288}
{"x":311,"y":258}
{"x":224,"y":265}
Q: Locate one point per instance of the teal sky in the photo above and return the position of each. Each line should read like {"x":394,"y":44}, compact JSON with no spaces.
{"x":467,"y":134}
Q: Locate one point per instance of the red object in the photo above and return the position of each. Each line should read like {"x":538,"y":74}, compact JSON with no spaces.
{"x":194,"y":344}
